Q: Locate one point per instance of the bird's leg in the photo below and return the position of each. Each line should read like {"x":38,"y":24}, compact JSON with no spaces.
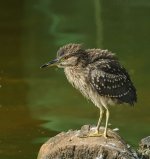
{"x":97,"y":133}
{"x":100,"y":119}
{"x":107,"y":118}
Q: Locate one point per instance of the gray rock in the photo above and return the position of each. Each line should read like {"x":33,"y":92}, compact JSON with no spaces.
{"x":76,"y":145}
{"x":144,"y":148}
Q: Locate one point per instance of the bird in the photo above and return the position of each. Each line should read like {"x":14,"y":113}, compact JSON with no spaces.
{"x":98,"y":75}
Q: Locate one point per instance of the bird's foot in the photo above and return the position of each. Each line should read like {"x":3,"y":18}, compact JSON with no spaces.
{"x":92,"y":134}
{"x":105,"y":135}
{"x":98,"y":134}
{"x":95,"y":134}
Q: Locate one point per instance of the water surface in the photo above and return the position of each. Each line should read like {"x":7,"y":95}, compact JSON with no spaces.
{"x":37,"y":104}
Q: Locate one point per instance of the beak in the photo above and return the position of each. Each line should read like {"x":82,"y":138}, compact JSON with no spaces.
{"x":50,"y":63}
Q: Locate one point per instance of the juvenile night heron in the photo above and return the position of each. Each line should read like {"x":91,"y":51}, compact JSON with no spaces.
{"x":98,"y":75}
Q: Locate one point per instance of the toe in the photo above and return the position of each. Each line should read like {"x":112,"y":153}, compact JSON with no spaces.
{"x":95,"y":134}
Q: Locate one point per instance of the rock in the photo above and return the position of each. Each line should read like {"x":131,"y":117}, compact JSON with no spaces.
{"x":76,"y":145}
{"x":144,"y":148}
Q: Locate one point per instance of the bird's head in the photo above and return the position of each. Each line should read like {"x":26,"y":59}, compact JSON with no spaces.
{"x":67,"y":56}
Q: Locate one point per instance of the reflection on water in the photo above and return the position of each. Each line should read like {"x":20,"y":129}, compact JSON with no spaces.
{"x":36,"y":104}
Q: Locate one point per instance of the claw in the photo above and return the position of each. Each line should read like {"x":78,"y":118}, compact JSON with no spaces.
{"x":95,"y":134}
{"x":98,"y":134}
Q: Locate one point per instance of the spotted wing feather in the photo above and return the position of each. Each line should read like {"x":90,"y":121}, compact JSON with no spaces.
{"x":110,"y":79}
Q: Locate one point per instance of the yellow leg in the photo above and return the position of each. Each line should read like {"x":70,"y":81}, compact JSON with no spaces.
{"x":106,"y":125}
{"x":97,"y":133}
{"x":100,"y":118}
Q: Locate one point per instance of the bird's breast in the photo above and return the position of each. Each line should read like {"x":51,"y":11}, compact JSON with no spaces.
{"x":78,"y":78}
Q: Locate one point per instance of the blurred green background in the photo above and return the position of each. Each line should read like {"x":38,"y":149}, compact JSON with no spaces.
{"x":36,"y":104}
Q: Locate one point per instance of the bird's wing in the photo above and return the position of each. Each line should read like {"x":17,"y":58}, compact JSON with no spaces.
{"x":110,"y":79}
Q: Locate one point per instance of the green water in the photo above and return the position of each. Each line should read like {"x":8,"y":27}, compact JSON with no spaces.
{"x":36,"y":104}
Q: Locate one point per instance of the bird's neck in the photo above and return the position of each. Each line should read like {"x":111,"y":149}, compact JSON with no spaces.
{"x":74,"y":74}
{"x":77,"y":76}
